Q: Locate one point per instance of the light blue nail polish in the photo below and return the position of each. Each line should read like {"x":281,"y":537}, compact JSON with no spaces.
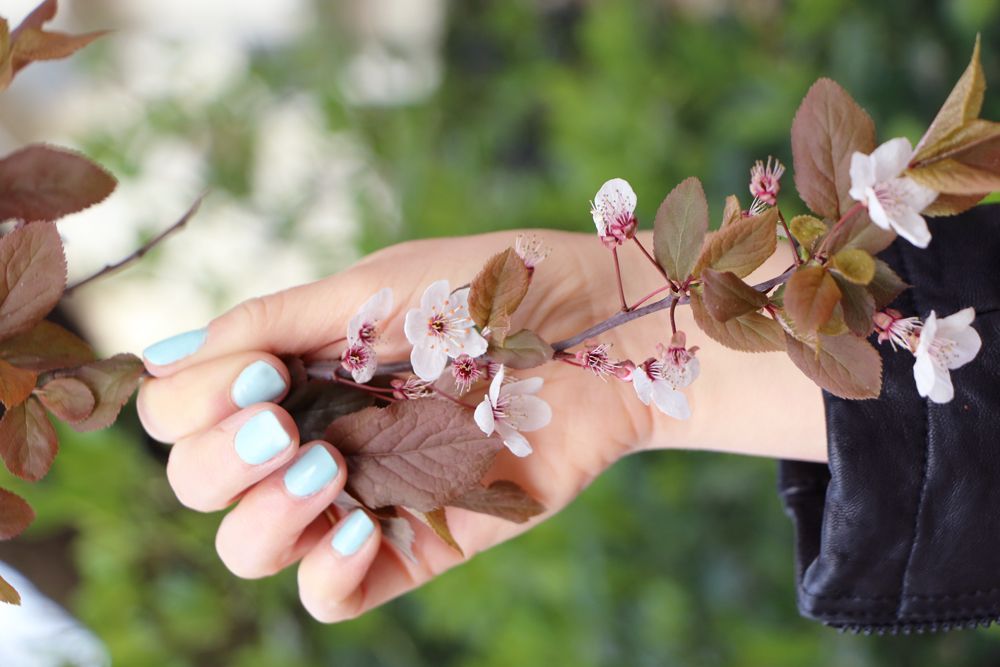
{"x":258,"y":382}
{"x":175,"y":348}
{"x":314,"y":470}
{"x":352,"y":533}
{"x":261,"y":438}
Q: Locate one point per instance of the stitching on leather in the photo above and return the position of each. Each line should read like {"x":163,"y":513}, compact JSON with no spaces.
{"x":923,"y":471}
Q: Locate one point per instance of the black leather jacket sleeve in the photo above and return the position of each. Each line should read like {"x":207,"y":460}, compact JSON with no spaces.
{"x":900,"y":532}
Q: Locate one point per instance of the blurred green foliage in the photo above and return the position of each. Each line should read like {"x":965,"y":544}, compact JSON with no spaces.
{"x":669,"y":558}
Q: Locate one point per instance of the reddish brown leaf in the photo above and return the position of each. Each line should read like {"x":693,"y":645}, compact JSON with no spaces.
{"x":8,"y":594}
{"x":953,"y":204}
{"x":886,"y":285}
{"x":741,"y":246}
{"x":963,"y":105}
{"x":28,"y":443}
{"x":502,"y":498}
{"x":15,"y":515}
{"x":421,"y":454}
{"x":112,"y":382}
{"x":522,"y":350}
{"x":497,"y":291}
{"x":45,"y":347}
{"x":752,"y":332}
{"x":398,"y":532}
{"x":39,"y":183}
{"x":315,"y":404}
{"x":680,"y":227}
{"x":811,"y":294}
{"x":437,"y":521}
{"x":68,"y":399}
{"x":731,"y":212}
{"x":858,"y":231}
{"x":828,"y":128}
{"x":33,"y":276}
{"x":858,"y":306}
{"x":726,"y":296}
{"x":846,"y":366}
{"x":16,"y":384}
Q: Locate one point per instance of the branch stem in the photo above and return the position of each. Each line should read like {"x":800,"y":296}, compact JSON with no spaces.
{"x":791,"y":241}
{"x":618,"y":276}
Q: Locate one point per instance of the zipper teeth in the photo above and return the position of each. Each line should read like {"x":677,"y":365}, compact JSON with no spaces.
{"x":917,"y":628}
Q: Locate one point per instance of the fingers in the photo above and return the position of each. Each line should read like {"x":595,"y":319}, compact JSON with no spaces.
{"x":331,"y":574}
{"x":263,"y":534}
{"x":294,"y":321}
{"x":198,"y":397}
{"x":210,"y":469}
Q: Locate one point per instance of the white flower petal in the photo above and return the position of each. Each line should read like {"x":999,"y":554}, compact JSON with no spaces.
{"x":875,"y":210}
{"x":435,"y":294}
{"x":912,"y":227}
{"x":927,"y":334}
{"x":366,"y":372}
{"x":533,"y":413}
{"x":495,"y":385}
{"x":915,"y":195}
{"x":468,"y":342}
{"x":966,"y":342}
{"x":642,"y":384}
{"x":415,"y":326}
{"x":943,"y":390}
{"x":428,"y":363}
{"x":670,"y":401}
{"x":956,"y":321}
{"x":891,"y":158}
{"x":484,"y":416}
{"x":923,"y":374}
{"x":460,"y":298}
{"x":526,"y":386}
{"x":862,"y":175}
{"x":618,"y":195}
{"x":515,"y":442}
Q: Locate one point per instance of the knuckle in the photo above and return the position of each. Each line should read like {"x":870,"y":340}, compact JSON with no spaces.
{"x":257,"y":314}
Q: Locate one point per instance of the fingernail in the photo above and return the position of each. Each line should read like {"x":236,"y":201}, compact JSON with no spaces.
{"x":311,"y":472}
{"x":258,"y":382}
{"x":261,"y":438}
{"x":352,"y":533}
{"x":175,"y":348}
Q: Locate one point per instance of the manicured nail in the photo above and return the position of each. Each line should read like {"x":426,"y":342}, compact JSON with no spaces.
{"x":175,"y":348}
{"x":258,"y":382}
{"x":311,"y":472}
{"x":352,"y":533}
{"x":261,"y":438}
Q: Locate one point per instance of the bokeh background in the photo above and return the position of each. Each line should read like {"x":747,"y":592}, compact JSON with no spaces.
{"x":325,"y":130}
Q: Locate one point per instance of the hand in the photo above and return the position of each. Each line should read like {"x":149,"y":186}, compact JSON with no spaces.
{"x":196,"y":402}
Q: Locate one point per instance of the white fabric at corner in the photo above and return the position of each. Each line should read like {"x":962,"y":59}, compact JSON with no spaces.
{"x":40,"y":633}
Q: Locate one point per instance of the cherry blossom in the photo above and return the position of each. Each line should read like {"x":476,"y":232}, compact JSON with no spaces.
{"x":613,"y":210}
{"x":765,"y":181}
{"x":596,"y":359}
{"x":466,"y":372}
{"x":896,"y":329}
{"x":362,"y":334}
{"x":441,"y":328}
{"x":660,"y":380}
{"x":894,"y":201}
{"x":531,"y":250}
{"x":510,"y":408}
{"x":944,"y":345}
{"x":410,"y":389}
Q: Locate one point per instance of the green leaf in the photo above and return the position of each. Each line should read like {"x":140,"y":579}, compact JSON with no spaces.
{"x":112,"y":382}
{"x":806,"y":229}
{"x":680,"y":227}
{"x":497,"y":291}
{"x":885,"y":285}
{"x":68,"y":399}
{"x":828,"y":128}
{"x":726,"y":296}
{"x":752,"y":332}
{"x":740,"y":247}
{"x":421,"y":454}
{"x":45,"y":347}
{"x":16,"y":384}
{"x":855,"y":264}
{"x":503,"y":499}
{"x":846,"y":366}
{"x":44,"y":183}
{"x":811,"y":294}
{"x":437,"y":521}
{"x":15,"y":515}
{"x":316,"y":404}
{"x":858,"y":306}
{"x":33,"y":276}
{"x":522,"y":350}
{"x":28,"y":443}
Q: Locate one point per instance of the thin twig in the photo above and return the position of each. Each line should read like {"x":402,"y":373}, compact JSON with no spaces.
{"x":618,"y":275}
{"x":651,"y":259}
{"x":139,"y":252}
{"x":791,"y":241}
